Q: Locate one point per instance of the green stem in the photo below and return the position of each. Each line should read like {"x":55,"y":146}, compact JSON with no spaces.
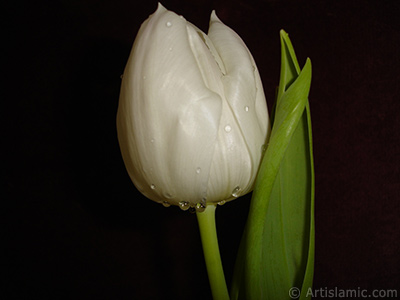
{"x":208,"y":233}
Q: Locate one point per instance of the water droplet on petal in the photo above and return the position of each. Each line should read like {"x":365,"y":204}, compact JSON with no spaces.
{"x":168,"y":24}
{"x":222,"y":202}
{"x":246,"y":108}
{"x":184,"y":205}
{"x":153,"y":186}
{"x":228,"y":128}
{"x":200,"y":207}
{"x":263,"y":148}
{"x":236,"y":192}
{"x":167,"y":195}
{"x":122,"y":76}
{"x":192,"y":209}
{"x":166,"y":204}
{"x":198,"y":170}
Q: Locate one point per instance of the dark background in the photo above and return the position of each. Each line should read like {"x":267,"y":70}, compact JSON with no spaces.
{"x":74,"y":225}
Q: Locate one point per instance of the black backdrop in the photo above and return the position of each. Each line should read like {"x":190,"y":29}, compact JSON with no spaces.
{"x":74,"y":225}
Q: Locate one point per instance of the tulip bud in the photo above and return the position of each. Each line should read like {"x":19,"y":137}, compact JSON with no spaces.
{"x":192,"y":117}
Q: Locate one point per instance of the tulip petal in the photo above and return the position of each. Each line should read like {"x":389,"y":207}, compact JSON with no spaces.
{"x":245,"y":107}
{"x":191,"y":123}
{"x":168,"y":118}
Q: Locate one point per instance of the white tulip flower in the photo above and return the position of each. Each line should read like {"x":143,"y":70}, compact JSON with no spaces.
{"x":192,"y":117}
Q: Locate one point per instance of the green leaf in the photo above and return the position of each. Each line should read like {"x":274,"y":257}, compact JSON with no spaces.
{"x":277,"y":248}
